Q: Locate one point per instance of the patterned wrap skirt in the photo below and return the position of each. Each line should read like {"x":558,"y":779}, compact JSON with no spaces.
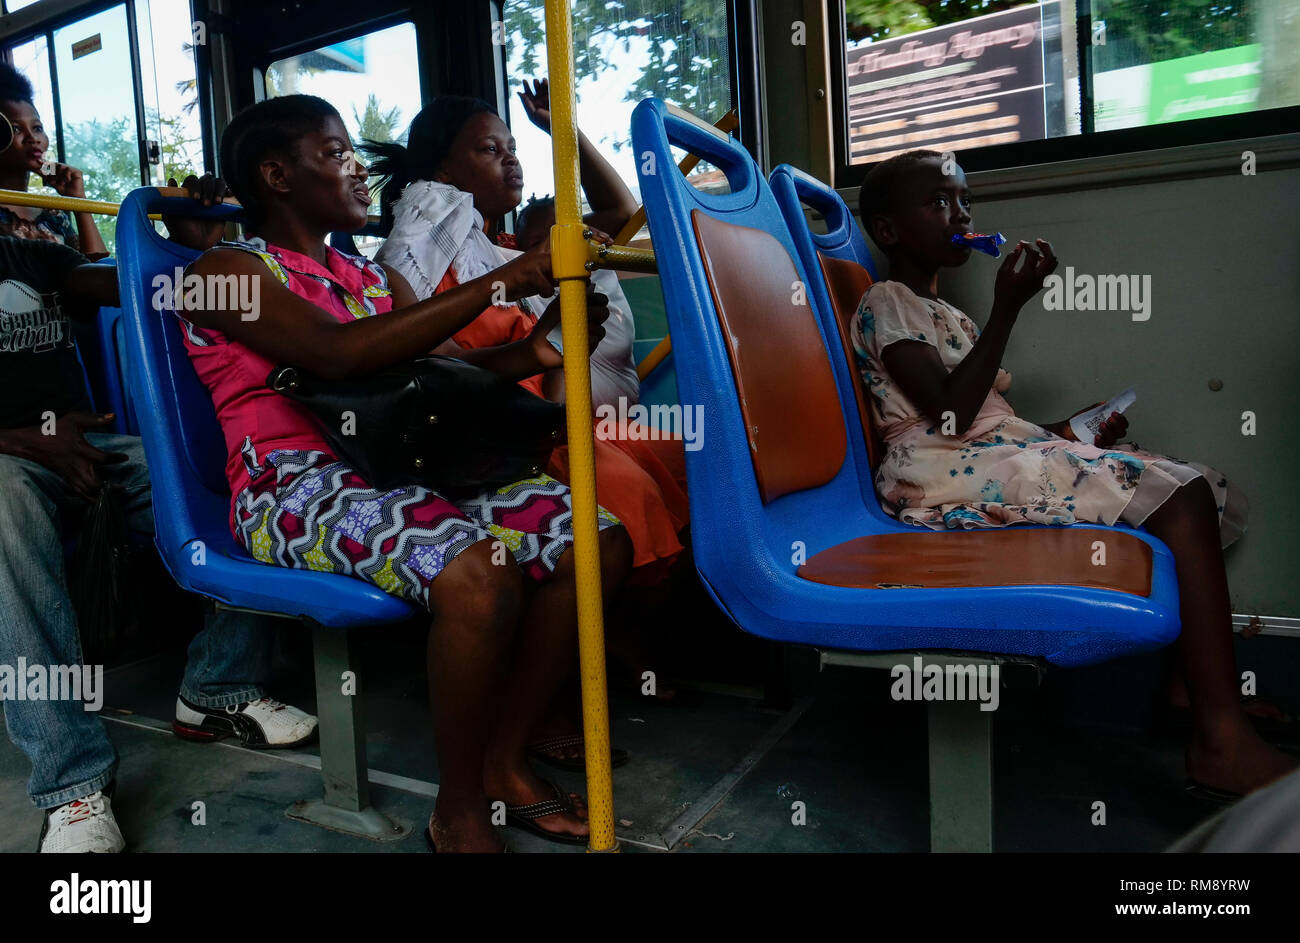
{"x":309,"y":511}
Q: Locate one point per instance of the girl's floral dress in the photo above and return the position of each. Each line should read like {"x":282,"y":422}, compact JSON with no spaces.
{"x":1003,"y":469}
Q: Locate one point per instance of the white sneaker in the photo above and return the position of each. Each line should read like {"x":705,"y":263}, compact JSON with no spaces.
{"x":259,"y":724}
{"x":84,"y":825}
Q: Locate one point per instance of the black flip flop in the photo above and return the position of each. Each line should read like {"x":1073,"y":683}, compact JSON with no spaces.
{"x":525,"y":816}
{"x":1212,"y":794}
{"x":617,"y":756}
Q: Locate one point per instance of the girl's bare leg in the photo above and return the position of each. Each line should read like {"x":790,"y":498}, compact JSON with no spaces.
{"x":1225,"y":751}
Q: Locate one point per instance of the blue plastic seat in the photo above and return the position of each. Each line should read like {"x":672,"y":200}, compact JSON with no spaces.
{"x":100,"y":348}
{"x":191,"y":499}
{"x":843,"y":238}
{"x":187,"y":454}
{"x":784,"y":475}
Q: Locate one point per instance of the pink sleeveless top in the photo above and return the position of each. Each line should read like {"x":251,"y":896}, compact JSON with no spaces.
{"x":254,"y":418}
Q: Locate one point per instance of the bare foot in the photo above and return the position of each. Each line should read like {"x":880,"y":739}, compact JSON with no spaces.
{"x":465,"y":832}
{"x":1176,"y":696}
{"x":521,"y":786}
{"x":1242,"y":764}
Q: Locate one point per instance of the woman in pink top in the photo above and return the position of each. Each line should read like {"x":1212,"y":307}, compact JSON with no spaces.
{"x":290,"y":162}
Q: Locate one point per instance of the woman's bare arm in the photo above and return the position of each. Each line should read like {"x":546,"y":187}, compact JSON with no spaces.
{"x":290,"y":330}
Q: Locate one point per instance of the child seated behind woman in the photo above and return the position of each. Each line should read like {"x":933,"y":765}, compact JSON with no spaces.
{"x":613,"y":367}
{"x":503,"y":637}
{"x":927,"y":365}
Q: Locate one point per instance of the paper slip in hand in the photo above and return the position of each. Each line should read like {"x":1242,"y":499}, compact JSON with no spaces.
{"x":1087,"y":425}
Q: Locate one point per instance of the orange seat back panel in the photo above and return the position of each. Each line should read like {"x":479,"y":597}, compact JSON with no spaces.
{"x":847,"y":282}
{"x":787,"y":393}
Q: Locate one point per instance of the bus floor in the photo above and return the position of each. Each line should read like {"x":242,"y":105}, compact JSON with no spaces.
{"x":842,"y":767}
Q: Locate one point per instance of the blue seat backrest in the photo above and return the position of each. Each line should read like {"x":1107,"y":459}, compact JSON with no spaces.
{"x":843,"y":238}
{"x":186,"y":449}
{"x":844,"y":241}
{"x":725,"y":495}
{"x":102,"y":351}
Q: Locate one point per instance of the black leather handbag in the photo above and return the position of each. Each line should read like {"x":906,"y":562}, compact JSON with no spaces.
{"x":435,"y":421}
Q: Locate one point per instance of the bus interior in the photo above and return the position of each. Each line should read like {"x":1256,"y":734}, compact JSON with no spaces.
{"x":1153,"y":142}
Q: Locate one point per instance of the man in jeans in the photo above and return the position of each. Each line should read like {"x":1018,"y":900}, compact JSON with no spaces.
{"x":52,"y":463}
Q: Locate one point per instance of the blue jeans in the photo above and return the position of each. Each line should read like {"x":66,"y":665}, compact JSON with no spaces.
{"x":68,"y":746}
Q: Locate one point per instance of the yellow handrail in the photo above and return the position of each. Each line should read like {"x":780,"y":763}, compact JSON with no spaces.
{"x":654,"y":358}
{"x":73,"y":204}
{"x":50,"y":201}
{"x":569,"y":266}
{"x":620,"y":258}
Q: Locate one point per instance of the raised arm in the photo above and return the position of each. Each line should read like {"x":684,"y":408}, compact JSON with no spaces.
{"x":69,"y":181}
{"x":916,"y":368}
{"x":292,"y":331}
{"x":612,"y":203}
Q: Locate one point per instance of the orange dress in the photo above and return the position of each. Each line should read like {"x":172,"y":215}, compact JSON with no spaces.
{"x":641,"y":481}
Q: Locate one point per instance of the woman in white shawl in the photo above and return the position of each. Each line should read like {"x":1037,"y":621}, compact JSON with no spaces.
{"x":444,"y":195}
{"x":457,"y":177}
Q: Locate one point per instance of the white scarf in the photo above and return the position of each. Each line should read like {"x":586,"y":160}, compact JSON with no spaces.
{"x":435,"y":227}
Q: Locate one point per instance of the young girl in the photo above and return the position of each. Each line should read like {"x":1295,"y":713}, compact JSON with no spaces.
{"x":456,"y":178}
{"x":27,"y":156}
{"x":503,"y":636}
{"x":926,"y":362}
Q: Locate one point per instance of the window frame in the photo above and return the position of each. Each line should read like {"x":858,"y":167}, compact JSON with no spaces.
{"x":1087,"y":143}
{"x":65,"y":16}
{"x":749,"y":132}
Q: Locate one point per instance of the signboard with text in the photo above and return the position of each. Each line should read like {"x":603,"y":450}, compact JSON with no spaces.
{"x":970,"y":84}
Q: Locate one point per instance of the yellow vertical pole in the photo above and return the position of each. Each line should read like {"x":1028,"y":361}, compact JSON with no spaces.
{"x":568,"y":263}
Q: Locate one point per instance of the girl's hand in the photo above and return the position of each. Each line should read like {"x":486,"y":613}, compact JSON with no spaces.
{"x":198,"y":233}
{"x":1114,"y":428}
{"x":1111,"y":431}
{"x":599,"y":235}
{"x":537,"y":103}
{"x":1015,"y":287}
{"x":66,"y":180}
{"x":597,"y":312}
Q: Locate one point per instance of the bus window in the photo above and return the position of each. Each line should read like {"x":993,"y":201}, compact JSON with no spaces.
{"x":958,"y":76}
{"x":171,"y":97}
{"x":370,"y":79}
{"x":623,"y":52}
{"x":32,"y":59}
{"x":92,"y":59}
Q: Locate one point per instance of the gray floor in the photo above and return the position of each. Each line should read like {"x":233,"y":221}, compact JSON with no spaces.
{"x":853,"y":757}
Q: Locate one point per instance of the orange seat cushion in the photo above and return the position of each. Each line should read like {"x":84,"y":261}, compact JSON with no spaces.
{"x":1010,"y":557}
